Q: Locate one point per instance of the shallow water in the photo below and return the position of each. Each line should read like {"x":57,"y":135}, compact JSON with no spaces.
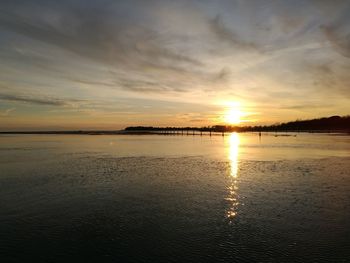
{"x":152,"y":198}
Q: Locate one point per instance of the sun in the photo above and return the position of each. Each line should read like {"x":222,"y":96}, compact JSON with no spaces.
{"x":233,"y":116}
{"x":232,"y":113}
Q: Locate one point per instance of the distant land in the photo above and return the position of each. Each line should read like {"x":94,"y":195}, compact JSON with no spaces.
{"x":330,"y":124}
{"x":326,"y":124}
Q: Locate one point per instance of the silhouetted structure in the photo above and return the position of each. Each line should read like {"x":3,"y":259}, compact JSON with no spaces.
{"x":330,"y":124}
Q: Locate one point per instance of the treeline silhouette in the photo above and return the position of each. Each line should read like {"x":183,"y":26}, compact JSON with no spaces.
{"x":326,"y":124}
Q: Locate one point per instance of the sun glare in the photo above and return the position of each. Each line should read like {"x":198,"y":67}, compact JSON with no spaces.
{"x":233,"y":116}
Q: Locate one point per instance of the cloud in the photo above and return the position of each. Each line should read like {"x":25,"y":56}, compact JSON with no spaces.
{"x":222,"y":75}
{"x":92,"y":82}
{"x":46,"y":101}
{"x":93,"y":32}
{"x":307,"y":106}
{"x":340,"y":42}
{"x":220,"y":30}
{"x":328,"y":78}
{"x":106,"y":36}
{"x":7,"y":112}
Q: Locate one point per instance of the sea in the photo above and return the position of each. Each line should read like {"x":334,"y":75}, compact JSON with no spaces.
{"x":241,"y":197}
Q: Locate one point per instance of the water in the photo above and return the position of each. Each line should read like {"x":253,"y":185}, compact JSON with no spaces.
{"x":152,"y":198}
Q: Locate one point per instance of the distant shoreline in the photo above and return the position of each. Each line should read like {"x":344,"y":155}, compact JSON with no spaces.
{"x":333,"y":124}
{"x":166,"y":132}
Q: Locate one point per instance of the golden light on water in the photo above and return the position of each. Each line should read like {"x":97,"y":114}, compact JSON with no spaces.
{"x":233,"y":153}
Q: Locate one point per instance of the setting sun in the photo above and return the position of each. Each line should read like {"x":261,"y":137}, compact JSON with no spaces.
{"x":233,"y":116}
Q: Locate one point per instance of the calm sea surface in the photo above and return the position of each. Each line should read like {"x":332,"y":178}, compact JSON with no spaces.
{"x":154,"y":198}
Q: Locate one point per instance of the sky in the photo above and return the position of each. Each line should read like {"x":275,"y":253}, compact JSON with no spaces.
{"x":108,"y":64}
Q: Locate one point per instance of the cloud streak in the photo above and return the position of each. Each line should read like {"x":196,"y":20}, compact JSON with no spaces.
{"x":221,"y":31}
{"x":340,"y":42}
{"x":44,"y":101}
{"x":7,"y":112}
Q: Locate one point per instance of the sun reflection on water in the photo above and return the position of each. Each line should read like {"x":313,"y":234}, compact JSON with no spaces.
{"x":233,"y":152}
